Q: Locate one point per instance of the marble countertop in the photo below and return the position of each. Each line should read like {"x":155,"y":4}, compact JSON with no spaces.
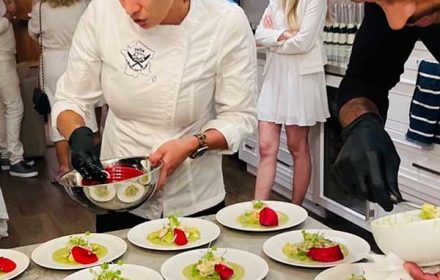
{"x":251,"y":242}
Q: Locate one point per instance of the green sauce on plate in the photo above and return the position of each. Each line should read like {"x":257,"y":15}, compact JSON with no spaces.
{"x":303,"y":258}
{"x":238,"y":272}
{"x":62,"y":255}
{"x":168,"y":239}
{"x":282,"y":219}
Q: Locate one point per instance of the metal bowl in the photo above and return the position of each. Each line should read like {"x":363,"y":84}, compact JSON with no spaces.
{"x":120,"y":196}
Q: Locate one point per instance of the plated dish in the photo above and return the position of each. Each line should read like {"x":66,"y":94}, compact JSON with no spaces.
{"x":79,"y":251}
{"x":173,"y":233}
{"x":261,"y":216}
{"x":316,"y":248}
{"x":12,"y":263}
{"x":116,"y":272}
{"x":215,"y":264}
{"x":411,"y":235}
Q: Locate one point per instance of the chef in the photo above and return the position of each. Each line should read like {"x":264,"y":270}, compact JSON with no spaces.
{"x":179,"y":77}
{"x":383,"y":44}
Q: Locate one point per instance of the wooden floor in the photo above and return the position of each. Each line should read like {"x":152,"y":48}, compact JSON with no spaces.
{"x":40,"y":211}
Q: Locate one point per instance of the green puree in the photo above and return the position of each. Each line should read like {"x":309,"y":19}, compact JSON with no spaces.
{"x":306,"y":259}
{"x":282,"y":219}
{"x":238,"y":272}
{"x":62,"y":255}
{"x":154,"y":238}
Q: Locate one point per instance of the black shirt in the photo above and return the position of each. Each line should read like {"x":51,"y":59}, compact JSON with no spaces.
{"x":378,"y":57}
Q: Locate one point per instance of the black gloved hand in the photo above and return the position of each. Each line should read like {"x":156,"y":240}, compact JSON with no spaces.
{"x":368,"y":162}
{"x":84,"y":155}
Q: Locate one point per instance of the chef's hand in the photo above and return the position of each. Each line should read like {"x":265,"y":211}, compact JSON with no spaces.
{"x":84,"y":156}
{"x":368,"y":162}
{"x":172,"y":154}
{"x":417,"y":273}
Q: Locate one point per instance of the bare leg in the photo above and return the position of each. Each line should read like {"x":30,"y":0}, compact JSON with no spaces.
{"x":268,"y":141}
{"x":63,"y":152}
{"x":298,"y":144}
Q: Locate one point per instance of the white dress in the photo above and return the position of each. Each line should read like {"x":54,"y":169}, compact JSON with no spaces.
{"x":165,"y":83}
{"x":288,"y":96}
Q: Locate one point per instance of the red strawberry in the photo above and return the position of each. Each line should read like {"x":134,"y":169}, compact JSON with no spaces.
{"x":224,"y":271}
{"x":83,"y":255}
{"x":268,"y":217}
{"x":180,"y":237}
{"x":331,"y":254}
{"x":7,"y":265}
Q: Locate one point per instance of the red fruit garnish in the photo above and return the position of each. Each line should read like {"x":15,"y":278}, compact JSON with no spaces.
{"x":7,"y":265}
{"x":224,"y":271}
{"x":331,"y":254}
{"x":180,"y":237}
{"x":83,"y":255}
{"x":268,"y":217}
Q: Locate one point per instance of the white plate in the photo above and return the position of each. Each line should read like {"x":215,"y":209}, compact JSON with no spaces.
{"x":228,"y":215}
{"x":42,"y":255}
{"x":255,"y":268}
{"x":20,"y":259}
{"x":208,"y":233}
{"x":342,"y":271}
{"x":129,"y":271}
{"x":357,"y":247}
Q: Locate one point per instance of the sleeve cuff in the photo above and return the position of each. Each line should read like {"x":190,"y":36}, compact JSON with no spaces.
{"x":88,"y":115}
{"x":229,"y":131}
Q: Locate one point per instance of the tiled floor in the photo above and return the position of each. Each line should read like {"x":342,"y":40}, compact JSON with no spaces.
{"x":40,"y":211}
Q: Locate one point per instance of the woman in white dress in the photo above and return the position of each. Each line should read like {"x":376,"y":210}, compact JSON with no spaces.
{"x":294,"y":91}
{"x":179,"y":77}
{"x":59,"y":21}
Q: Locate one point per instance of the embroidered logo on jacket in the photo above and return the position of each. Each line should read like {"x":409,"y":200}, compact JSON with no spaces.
{"x":138,"y":57}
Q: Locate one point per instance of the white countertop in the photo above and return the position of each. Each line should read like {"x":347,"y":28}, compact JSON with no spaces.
{"x":251,"y":242}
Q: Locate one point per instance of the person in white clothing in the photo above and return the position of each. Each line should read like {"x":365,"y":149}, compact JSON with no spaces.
{"x":59,"y":19}
{"x":179,"y":78}
{"x":11,"y":105}
{"x":293,"y":92}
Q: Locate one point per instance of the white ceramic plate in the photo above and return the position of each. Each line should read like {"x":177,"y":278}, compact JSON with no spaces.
{"x":20,"y":259}
{"x":208,"y":233}
{"x":254,"y":266}
{"x":228,"y":216}
{"x":42,"y":255}
{"x":342,"y":271}
{"x":129,"y":271}
{"x":357,"y":247}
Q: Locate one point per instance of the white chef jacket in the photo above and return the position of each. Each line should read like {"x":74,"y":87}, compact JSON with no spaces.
{"x":7,"y":39}
{"x":162,"y":84}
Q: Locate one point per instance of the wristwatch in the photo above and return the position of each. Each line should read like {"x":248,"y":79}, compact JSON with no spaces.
{"x":202,"y":148}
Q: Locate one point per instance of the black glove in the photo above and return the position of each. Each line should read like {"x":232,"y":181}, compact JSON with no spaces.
{"x":84,"y":155}
{"x":368,"y":162}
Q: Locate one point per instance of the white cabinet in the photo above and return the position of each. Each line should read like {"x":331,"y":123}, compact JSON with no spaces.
{"x":419,"y":173}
